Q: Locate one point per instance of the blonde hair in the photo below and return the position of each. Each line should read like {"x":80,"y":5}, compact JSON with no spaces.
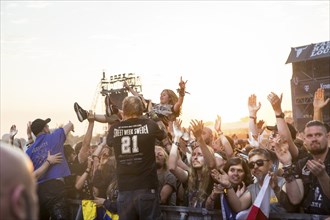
{"x":165,"y":156}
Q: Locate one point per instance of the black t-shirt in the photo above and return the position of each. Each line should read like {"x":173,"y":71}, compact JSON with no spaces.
{"x":314,"y":200}
{"x":133,"y":141}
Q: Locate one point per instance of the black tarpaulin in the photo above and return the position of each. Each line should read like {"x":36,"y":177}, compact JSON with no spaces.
{"x":309,"y":52}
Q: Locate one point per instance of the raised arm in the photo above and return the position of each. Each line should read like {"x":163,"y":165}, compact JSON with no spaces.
{"x":253,"y":110}
{"x":182,"y":91}
{"x":135,"y":93}
{"x":222,"y":138}
{"x":294,"y":187}
{"x":319,"y":103}
{"x":282,"y":127}
{"x":179,"y":173}
{"x":68,"y":127}
{"x":13,"y":131}
{"x":84,"y":151}
{"x":197,"y":129}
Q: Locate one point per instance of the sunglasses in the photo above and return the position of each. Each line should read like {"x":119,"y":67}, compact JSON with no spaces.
{"x":259,"y":163}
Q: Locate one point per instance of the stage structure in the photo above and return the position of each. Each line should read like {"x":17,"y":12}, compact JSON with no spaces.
{"x":113,"y":86}
{"x":310,"y":71}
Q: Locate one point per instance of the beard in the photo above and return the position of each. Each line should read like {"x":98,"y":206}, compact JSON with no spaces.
{"x":318,"y":151}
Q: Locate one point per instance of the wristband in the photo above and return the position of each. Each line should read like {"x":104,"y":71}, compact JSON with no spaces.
{"x":87,"y":171}
{"x":252,"y":117}
{"x":220,"y":133}
{"x":177,"y":144}
{"x":280,"y":115}
{"x":48,"y":162}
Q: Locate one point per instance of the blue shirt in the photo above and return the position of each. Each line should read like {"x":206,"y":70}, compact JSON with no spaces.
{"x":38,"y":153}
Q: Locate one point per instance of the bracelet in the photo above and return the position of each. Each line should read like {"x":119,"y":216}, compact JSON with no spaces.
{"x":48,"y":162}
{"x":177,"y":144}
{"x":280,"y":115}
{"x":252,"y":117}
{"x":220,"y":133}
{"x":87,"y":171}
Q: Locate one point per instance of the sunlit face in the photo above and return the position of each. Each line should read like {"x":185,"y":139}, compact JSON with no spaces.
{"x":236,"y":174}
{"x":316,"y":139}
{"x":260,"y":171}
{"x":197,"y":158}
{"x":164,"y":98}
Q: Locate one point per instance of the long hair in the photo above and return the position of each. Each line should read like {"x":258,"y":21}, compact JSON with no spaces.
{"x":200,"y":186}
{"x":165,"y":167}
{"x":173,"y":98}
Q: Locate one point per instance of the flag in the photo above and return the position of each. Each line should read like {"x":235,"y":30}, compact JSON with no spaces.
{"x":261,"y":206}
{"x":227,"y":212}
{"x":91,"y":212}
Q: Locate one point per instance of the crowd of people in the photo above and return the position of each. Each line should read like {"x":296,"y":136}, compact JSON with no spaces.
{"x":148,"y":159}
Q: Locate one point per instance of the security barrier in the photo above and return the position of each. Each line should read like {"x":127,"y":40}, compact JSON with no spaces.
{"x":188,"y":213}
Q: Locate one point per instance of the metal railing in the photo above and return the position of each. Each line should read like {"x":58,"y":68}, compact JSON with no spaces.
{"x":188,"y":213}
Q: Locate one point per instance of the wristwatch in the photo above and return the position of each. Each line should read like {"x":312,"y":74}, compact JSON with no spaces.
{"x":280,"y":115}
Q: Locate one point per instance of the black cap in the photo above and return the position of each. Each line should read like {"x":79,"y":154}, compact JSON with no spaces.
{"x":292,"y":129}
{"x":38,"y":124}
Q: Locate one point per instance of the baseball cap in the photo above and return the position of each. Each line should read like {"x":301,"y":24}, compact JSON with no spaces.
{"x":292,"y":129}
{"x":39,"y":124}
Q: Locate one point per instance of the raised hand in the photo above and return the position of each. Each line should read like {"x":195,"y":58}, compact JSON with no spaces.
{"x":54,"y":158}
{"x":13,"y":131}
{"x":220,"y":177}
{"x":197,"y":128}
{"x":182,"y":84}
{"x":319,"y":101}
{"x":177,"y":128}
{"x":275,"y":101}
{"x":28,"y":129}
{"x":217,"y":124}
{"x":282,"y":150}
{"x":252,"y":105}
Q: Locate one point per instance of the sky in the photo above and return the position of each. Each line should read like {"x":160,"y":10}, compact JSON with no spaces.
{"x":53,"y":54}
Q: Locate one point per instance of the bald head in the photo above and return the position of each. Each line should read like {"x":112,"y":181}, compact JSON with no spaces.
{"x":18,"y":187}
{"x":207,"y":135}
